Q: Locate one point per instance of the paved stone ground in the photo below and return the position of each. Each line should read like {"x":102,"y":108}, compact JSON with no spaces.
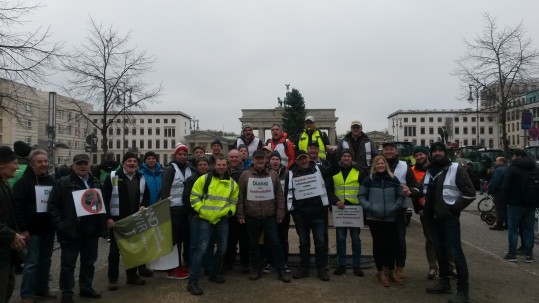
{"x":491,"y":278}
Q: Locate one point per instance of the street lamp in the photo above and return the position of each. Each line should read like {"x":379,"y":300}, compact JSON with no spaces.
{"x":193,"y":126}
{"x":399,"y":125}
{"x":51,"y":131}
{"x":470,"y":99}
{"x":119,"y":102}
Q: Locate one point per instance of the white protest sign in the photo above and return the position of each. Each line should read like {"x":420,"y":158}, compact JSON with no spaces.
{"x":166,"y":262}
{"x":350,"y":216}
{"x":307,"y":187}
{"x":42,"y":198}
{"x":88,"y":202}
{"x":260,"y":189}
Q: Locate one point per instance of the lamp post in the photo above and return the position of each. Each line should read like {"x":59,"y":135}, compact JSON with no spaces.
{"x":124,"y":109}
{"x":193,"y":126}
{"x":52,"y":126}
{"x":470,"y":99}
{"x":399,"y":125}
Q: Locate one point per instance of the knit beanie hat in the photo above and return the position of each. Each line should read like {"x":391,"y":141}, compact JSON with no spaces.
{"x":347,"y":151}
{"x":242,"y":146}
{"x":180,"y":146}
{"x":217,"y":141}
{"x":275,"y":154}
{"x":199,"y":147}
{"x":6,"y":154}
{"x":129,"y":155}
{"x":21,"y":149}
{"x":149,"y":154}
{"x":420,"y":149}
{"x":437,"y":146}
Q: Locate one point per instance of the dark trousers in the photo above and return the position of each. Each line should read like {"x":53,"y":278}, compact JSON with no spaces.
{"x":7,"y":282}
{"x":254,"y":229}
{"x":400,"y":253}
{"x":86,"y":246}
{"x":35,"y":278}
{"x":282,"y":230}
{"x":114,"y":262}
{"x":304,"y":225}
{"x":446,"y":240}
{"x":429,"y":248}
{"x":180,"y":236}
{"x":501,"y":210}
{"x":384,"y":243}
{"x":237,"y":235}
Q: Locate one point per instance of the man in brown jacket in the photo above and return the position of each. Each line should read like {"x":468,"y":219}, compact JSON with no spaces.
{"x":261,"y":206}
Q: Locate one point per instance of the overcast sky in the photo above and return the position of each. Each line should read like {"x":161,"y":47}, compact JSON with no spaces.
{"x":366,"y":59}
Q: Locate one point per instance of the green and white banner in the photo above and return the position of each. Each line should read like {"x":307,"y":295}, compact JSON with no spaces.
{"x":145,"y":235}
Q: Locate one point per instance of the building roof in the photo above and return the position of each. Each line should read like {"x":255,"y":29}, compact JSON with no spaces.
{"x":146,"y":113}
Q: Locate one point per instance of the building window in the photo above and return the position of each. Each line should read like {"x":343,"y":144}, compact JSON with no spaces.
{"x":126,"y":144}
{"x":174,"y":121}
{"x":172,"y":143}
{"x":141,"y":131}
{"x":149,"y":120}
{"x":405,"y":120}
{"x":474,"y":142}
{"x":473,"y":119}
{"x":110,"y":144}
{"x":111,"y":131}
{"x":170,"y":132}
{"x":149,"y":144}
{"x":457,"y":131}
{"x":141,"y":144}
{"x":126,"y":131}
{"x":423,"y":142}
{"x":157,"y":144}
{"x":165,"y":120}
{"x":465,"y":142}
{"x":422,"y":119}
{"x":490,"y":130}
{"x":464,"y":119}
{"x":481,"y":119}
{"x":157,"y":121}
{"x":133,"y":144}
{"x":490,"y":119}
{"x":28,"y":124}
{"x":28,"y":140}
{"x":490,"y":143}
{"x":165,"y":144}
{"x":118,"y":144}
{"x":157,"y":132}
{"x":465,"y":130}
{"x":118,"y":132}
{"x":456,"y":119}
{"x":95,"y":121}
{"x":481,"y":130}
{"x":474,"y":131}
{"x":414,"y":120}
{"x":431,"y":130}
{"x":422,"y":130}
{"x":149,"y":131}
{"x":70,"y":130}
{"x":431,"y":119}
{"x":134,"y":131}
{"x":28,"y":107}
{"x":141,"y":121}
{"x":439,"y":119}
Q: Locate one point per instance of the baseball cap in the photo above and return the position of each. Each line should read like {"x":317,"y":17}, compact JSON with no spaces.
{"x":389,"y":143}
{"x":81,"y":158}
{"x":259,"y":153}
{"x":300,"y":154}
{"x":310,"y":118}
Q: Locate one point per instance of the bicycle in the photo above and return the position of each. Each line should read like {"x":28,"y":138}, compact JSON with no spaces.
{"x":486,"y":204}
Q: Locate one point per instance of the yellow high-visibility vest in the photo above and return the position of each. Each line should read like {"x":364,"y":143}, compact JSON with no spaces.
{"x":347,"y":189}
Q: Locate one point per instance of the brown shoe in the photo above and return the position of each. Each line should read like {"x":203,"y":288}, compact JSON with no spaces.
{"x":399,"y":271}
{"x":395,"y":278}
{"x":382,"y":279}
{"x":27,"y":300}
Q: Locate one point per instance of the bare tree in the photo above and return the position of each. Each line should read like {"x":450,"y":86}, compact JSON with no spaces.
{"x":496,"y":61}
{"x":25,"y":57}
{"x":107,"y":72}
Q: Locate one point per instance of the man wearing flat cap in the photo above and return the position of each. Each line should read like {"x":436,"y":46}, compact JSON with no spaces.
{"x":124,"y":192}
{"x":362,"y":148}
{"x":249,"y":139}
{"x":77,"y":235}
{"x":310,"y":134}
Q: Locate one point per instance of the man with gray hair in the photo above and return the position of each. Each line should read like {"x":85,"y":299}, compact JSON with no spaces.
{"x":31,"y":193}
{"x":249,"y":139}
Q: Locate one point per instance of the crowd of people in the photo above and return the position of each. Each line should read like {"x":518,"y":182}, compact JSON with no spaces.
{"x":242,"y":204}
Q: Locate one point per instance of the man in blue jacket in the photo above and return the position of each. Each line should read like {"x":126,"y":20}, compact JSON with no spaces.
{"x":152,"y":172}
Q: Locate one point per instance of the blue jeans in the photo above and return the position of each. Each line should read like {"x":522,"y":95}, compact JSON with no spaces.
{"x":35,"y":279}
{"x":207,"y":234}
{"x":304,"y":225}
{"x":254,"y":229}
{"x":86,"y":246}
{"x":524,"y":218}
{"x":445,"y":234}
{"x":341,"y":246}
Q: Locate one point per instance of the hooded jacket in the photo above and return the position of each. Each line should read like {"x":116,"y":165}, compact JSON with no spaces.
{"x":515,"y":192}
{"x":153,"y":181}
{"x":24,"y":195}
{"x":359,"y":152}
{"x":287,"y":151}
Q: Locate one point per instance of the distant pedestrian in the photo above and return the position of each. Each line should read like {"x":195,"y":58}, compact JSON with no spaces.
{"x":495,"y":189}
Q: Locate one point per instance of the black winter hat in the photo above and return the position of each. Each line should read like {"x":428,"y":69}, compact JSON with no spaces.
{"x":21,"y":149}
{"x":275,"y":154}
{"x":347,"y":151}
{"x":149,"y":154}
{"x":217,"y":141}
{"x":6,"y":154}
{"x":438,"y":146}
{"x":420,"y":149}
{"x":129,"y":155}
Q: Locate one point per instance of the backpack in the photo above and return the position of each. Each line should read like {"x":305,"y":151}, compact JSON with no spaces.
{"x":531,"y":181}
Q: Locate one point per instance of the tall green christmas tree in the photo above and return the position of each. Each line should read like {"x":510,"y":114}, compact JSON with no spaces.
{"x":294,"y":114}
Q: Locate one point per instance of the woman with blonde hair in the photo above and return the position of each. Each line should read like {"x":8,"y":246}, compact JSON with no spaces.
{"x":381,"y":197}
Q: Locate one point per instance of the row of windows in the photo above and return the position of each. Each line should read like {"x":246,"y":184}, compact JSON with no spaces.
{"x":410,"y":131}
{"x":456,"y":119}
{"x":141,"y":121}
{"x":151,"y":144}
{"x":168,"y":132}
{"x":464,"y":142}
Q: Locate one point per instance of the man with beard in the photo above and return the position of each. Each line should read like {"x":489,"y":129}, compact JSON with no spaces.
{"x":448,"y":190}
{"x":249,"y":139}
{"x":312,"y":133}
{"x":282,"y":145}
{"x":363,"y":149}
{"x":406,"y":177}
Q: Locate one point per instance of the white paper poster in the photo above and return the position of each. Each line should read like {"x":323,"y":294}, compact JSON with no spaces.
{"x":88,"y":202}
{"x":260,"y":189}
{"x":42,"y":198}
{"x":350,"y":216}
{"x":166,"y":262}
{"x":307,"y":187}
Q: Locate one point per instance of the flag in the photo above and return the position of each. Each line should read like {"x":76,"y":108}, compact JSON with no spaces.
{"x":145,"y":235}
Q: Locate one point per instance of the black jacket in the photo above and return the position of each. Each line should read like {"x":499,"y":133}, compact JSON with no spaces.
{"x":24,"y":195}
{"x":126,"y":207}
{"x":61,"y":207}
{"x":8,"y":225}
{"x":515,"y":191}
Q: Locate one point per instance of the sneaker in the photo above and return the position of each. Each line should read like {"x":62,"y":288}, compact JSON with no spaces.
{"x":442,"y":287}
{"x":45,"y":296}
{"x":287,"y":269}
{"x":453,"y":274}
{"x":255,"y":274}
{"x":283,"y":276}
{"x":135,"y":281}
{"x":339,"y":270}
{"x":358,"y":272}
{"x":529,"y":259}
{"x":194,"y":289}
{"x":301,"y":273}
{"x":510,"y":258}
{"x":91,"y":293}
{"x":323,"y":275}
{"x":113,"y":285}
{"x":268,"y":269}
{"x":433,"y":273}
{"x":145,"y":272}
{"x":217,"y":278}
{"x":177,"y":274}
{"x":459,"y":298}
